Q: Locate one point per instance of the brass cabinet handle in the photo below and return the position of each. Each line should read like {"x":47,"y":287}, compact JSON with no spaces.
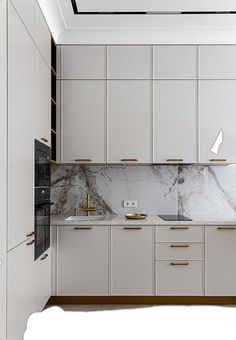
{"x":175,"y":160}
{"x":179,"y":263}
{"x":130,"y":228}
{"x":179,"y":245}
{"x":44,"y":140}
{"x":179,"y":228}
{"x":226,"y":228}
{"x":30,"y":243}
{"x":30,"y":234}
{"x":44,"y":257}
{"x":129,"y":160}
{"x":83,"y":160}
{"x":218,"y":160}
{"x":83,"y":228}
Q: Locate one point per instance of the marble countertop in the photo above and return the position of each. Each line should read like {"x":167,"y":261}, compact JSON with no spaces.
{"x":149,"y":221}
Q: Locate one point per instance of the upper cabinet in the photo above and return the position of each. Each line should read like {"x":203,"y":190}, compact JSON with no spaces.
{"x":25,"y":9}
{"x":217,"y":62}
{"x":175,"y":62}
{"x":83,"y":121}
{"x":42,"y":34}
{"x":175,"y":117}
{"x":129,"y":62}
{"x":129,"y":121}
{"x":83,"y":62}
{"x":42,"y":100}
{"x":217,"y":106}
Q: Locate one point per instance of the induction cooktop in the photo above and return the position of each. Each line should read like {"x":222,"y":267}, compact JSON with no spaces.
{"x":174,"y":218}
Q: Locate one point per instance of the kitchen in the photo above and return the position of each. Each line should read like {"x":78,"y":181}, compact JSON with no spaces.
{"x":118,"y":150}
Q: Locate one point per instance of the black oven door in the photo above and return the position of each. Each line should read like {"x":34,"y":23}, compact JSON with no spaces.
{"x":42,"y":165}
{"x":42,"y":228}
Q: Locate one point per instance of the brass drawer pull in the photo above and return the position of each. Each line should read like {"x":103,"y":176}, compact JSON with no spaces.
{"x":30,"y":234}
{"x":83,"y":160}
{"x":83,"y":228}
{"x":44,"y":140}
{"x":174,"y":160}
{"x":179,"y":228}
{"x":226,"y":228}
{"x":44,"y":257}
{"x":180,"y":246}
{"x":130,"y":228}
{"x":30,"y":243}
{"x":218,"y":160}
{"x":129,"y":160}
{"x":179,"y":263}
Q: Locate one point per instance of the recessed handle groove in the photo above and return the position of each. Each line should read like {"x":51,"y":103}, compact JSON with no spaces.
{"x":175,"y":160}
{"x":179,"y":228}
{"x":180,"y":246}
{"x":83,"y":228}
{"x":129,"y":160}
{"x":30,"y":243}
{"x":130,"y":228}
{"x":218,"y":160}
{"x":44,"y":257}
{"x":179,"y":263}
{"x":83,"y":160}
{"x":30,"y":234}
{"x":226,"y":228}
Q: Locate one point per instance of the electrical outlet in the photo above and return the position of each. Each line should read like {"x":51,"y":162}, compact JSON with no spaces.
{"x":130,"y":204}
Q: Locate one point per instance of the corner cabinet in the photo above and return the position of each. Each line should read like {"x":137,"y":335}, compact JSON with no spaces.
{"x":132,"y":266}
{"x":220,"y":257}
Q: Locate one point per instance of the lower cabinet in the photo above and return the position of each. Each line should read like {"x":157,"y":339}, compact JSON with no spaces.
{"x":132,"y":260}
{"x":83,"y":260}
{"x":20,"y":294}
{"x":42,"y":281}
{"x":220,"y":257}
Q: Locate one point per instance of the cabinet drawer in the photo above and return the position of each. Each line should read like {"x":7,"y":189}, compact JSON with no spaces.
{"x":179,"y":278}
{"x":179,"y":234}
{"x":179,"y":251}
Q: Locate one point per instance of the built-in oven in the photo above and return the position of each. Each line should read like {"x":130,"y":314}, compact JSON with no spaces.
{"x":42,"y":198}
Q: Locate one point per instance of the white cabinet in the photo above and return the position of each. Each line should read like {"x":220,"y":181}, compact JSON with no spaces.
{"x":20,"y":130}
{"x":132,"y":260}
{"x":175,"y":62}
{"x":42,"y":119}
{"x":217,"y":62}
{"x":179,"y":278}
{"x":217,"y":121}
{"x":129,"y":62}
{"x":83,"y":260}
{"x":83,"y":121}
{"x":83,"y":62}
{"x":25,"y":8}
{"x":129,"y":121}
{"x":175,"y":121}
{"x":20,"y":289}
{"x":220,"y":255}
{"x":42,"y":35}
{"x":42,"y":280}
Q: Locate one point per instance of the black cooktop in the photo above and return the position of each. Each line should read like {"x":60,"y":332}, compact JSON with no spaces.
{"x":174,"y":218}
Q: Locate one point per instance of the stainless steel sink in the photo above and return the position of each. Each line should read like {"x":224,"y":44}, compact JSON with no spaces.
{"x":86,"y":218}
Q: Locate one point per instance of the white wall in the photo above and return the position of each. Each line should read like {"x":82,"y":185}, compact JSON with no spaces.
{"x":3,"y":162}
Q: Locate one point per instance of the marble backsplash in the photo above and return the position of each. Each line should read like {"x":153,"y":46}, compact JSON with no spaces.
{"x":199,"y":192}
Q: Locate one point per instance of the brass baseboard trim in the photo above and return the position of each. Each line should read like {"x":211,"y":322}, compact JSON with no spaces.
{"x":146,"y":300}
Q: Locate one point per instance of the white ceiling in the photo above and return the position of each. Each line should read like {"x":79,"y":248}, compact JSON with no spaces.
{"x":68,"y":28}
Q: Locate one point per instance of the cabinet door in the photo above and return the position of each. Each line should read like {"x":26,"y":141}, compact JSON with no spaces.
{"x":129,"y":121}
{"x":42,"y":100}
{"x":25,"y":8}
{"x":220,"y":255}
{"x":83,"y":62}
{"x":175,"y":121}
{"x":42,"y":34}
{"x":217,"y":62}
{"x":83,"y":119}
{"x":132,"y":261}
{"x":20,"y":289}
{"x":20,"y":130}
{"x":129,"y":62}
{"x":175,"y":62}
{"x":83,"y":260}
{"x":217,"y":105}
{"x":42,"y":281}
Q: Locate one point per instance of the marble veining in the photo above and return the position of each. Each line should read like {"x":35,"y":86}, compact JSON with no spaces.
{"x":197,"y":191}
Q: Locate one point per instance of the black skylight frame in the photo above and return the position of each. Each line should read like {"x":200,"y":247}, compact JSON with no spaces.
{"x":77,"y":12}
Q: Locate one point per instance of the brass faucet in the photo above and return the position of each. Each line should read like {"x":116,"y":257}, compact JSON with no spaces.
{"x":88,"y":209}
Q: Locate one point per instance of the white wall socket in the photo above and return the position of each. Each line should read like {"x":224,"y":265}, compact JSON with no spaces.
{"x":130,"y":204}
